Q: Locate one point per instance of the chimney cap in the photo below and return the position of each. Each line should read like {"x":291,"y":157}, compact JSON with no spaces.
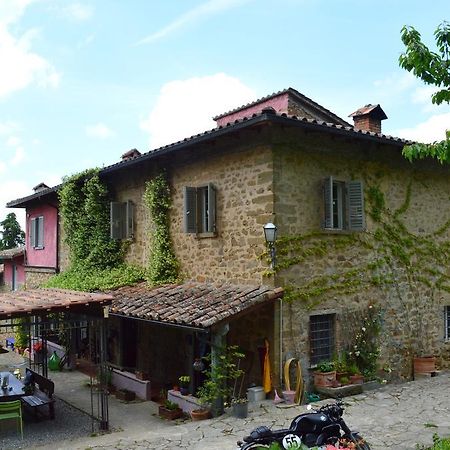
{"x":374,"y":111}
{"x":40,"y":187}
{"x":133,"y":153}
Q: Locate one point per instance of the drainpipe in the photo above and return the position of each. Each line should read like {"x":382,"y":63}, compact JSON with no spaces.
{"x":57,"y":237}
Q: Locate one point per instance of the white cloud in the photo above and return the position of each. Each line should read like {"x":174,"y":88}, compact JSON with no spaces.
{"x":10,"y":190}
{"x":99,"y":130}
{"x":8,"y":127}
{"x":78,"y":12}
{"x":13,"y":141}
{"x":206,"y":9}
{"x":20,"y":66}
{"x":186,"y":107}
{"x":2,"y":167}
{"x":18,"y":157}
{"x":433,"y":129}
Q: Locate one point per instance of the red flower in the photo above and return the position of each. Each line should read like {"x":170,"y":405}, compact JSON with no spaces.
{"x":38,"y":347}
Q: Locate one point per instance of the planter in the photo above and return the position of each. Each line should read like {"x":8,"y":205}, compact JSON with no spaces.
{"x":170,"y":414}
{"x":240,"y":410}
{"x":143,"y":376}
{"x":324,"y":379}
{"x":125,"y":395}
{"x":340,"y":375}
{"x":425,"y":364}
{"x":200,"y":414}
{"x":184,"y":391}
{"x":357,"y":379}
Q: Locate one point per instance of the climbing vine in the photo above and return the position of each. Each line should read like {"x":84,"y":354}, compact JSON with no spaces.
{"x":96,"y":261}
{"x":163,"y":266}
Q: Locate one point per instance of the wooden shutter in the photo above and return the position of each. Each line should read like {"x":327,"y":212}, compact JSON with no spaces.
{"x":32,"y":230}
{"x":129,"y":226}
{"x":211,"y":208}
{"x":40,"y":231}
{"x":328,"y":203}
{"x":355,"y":202}
{"x":190,"y":210}
{"x":117,"y":219}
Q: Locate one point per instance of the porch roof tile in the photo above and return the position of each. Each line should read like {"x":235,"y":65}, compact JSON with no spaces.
{"x":193,"y":304}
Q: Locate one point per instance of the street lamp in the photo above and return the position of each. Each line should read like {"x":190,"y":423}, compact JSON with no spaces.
{"x":270,"y":233}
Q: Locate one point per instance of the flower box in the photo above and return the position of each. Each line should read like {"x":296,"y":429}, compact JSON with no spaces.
{"x":170,"y":414}
{"x":125,"y":395}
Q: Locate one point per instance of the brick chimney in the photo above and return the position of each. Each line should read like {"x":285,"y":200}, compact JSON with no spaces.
{"x":368,"y":118}
{"x":130,"y":154}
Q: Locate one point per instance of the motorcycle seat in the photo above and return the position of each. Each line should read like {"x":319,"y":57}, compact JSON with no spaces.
{"x":258,"y":433}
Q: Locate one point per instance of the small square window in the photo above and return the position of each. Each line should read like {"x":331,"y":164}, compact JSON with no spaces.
{"x":321,"y":338}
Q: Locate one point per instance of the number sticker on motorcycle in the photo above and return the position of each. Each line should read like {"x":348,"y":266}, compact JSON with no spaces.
{"x":291,"y":441}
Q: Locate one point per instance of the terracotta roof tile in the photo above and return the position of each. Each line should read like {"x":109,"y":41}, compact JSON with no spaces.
{"x":12,"y":253}
{"x":38,"y":301}
{"x":190,"y":304}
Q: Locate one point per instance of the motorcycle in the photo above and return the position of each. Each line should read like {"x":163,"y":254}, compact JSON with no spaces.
{"x":313,"y":429}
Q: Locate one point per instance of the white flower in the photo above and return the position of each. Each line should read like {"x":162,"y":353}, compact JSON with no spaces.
{"x":363,"y":328}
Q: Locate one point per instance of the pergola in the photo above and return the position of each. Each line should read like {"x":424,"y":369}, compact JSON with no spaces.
{"x":42,"y":311}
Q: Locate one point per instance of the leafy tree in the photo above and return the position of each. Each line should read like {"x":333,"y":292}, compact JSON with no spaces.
{"x":12,"y":234}
{"x":432,"y":68}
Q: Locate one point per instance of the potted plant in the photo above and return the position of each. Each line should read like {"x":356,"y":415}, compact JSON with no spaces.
{"x":206,"y":394}
{"x":340,"y":363}
{"x":239,"y":403}
{"x":184,"y":384}
{"x":325,"y":374}
{"x":170,"y":410}
{"x":355,"y":374}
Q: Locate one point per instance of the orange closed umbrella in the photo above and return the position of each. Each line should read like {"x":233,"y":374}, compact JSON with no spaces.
{"x":267,"y":376}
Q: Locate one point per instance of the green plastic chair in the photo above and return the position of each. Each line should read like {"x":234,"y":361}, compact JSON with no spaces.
{"x":12,"y":410}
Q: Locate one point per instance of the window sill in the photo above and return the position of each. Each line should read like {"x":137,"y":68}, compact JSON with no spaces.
{"x":206,"y":235}
{"x":38,"y":248}
{"x":340,"y":231}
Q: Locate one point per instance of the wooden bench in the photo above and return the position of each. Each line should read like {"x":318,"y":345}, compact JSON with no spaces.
{"x":43,"y":394}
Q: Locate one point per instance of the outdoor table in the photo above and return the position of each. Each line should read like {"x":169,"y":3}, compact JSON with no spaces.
{"x":14,"y":389}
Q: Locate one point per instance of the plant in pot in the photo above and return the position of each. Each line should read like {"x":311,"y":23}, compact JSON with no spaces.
{"x":184,"y":384}
{"x":340,"y":363}
{"x":325,"y":374}
{"x":239,"y":403}
{"x":355,"y":374}
{"x":170,"y":410}
{"x":206,"y":394}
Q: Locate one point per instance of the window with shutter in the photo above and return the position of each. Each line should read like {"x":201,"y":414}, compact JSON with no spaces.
{"x":40,"y":231}
{"x":200,"y":209}
{"x":122,"y":220}
{"x":355,"y":198}
{"x":33,"y":233}
{"x":343,"y":205}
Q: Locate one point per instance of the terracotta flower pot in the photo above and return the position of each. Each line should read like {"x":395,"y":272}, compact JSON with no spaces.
{"x":324,"y":379}
{"x":356,"y":379}
{"x":200,"y":414}
{"x":170,"y":414}
{"x":425,"y":364}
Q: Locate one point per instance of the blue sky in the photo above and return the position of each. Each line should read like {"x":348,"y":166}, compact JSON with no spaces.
{"x":81,"y":82}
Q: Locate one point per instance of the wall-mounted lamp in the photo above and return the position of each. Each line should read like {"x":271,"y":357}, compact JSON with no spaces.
{"x":270,"y":233}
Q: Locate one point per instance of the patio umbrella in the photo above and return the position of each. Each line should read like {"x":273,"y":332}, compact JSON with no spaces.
{"x":267,"y":376}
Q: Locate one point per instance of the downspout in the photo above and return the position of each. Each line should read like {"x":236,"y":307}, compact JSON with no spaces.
{"x":281,"y":341}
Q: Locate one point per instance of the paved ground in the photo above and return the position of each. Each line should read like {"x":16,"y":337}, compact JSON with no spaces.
{"x":395,"y":417}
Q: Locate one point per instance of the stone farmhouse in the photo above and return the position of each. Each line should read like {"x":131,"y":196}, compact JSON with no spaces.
{"x":358,"y":226}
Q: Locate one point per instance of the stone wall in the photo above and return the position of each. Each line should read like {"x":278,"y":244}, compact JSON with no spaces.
{"x":35,"y":277}
{"x":342,"y":273}
{"x":243,"y":182}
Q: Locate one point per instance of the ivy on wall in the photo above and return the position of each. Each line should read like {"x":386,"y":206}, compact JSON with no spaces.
{"x":96,"y":261}
{"x":163,"y":265}
{"x":411,"y":267}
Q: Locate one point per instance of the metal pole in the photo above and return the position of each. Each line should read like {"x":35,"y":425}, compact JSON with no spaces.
{"x":104,"y":421}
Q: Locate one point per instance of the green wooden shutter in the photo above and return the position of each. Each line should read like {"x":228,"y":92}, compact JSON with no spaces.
{"x":355,"y":202}
{"x":129,"y":219}
{"x":117,"y":219}
{"x":190,"y":210}
{"x":40,"y":231}
{"x":211,"y":208}
{"x":328,"y":203}
{"x":32,"y":230}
